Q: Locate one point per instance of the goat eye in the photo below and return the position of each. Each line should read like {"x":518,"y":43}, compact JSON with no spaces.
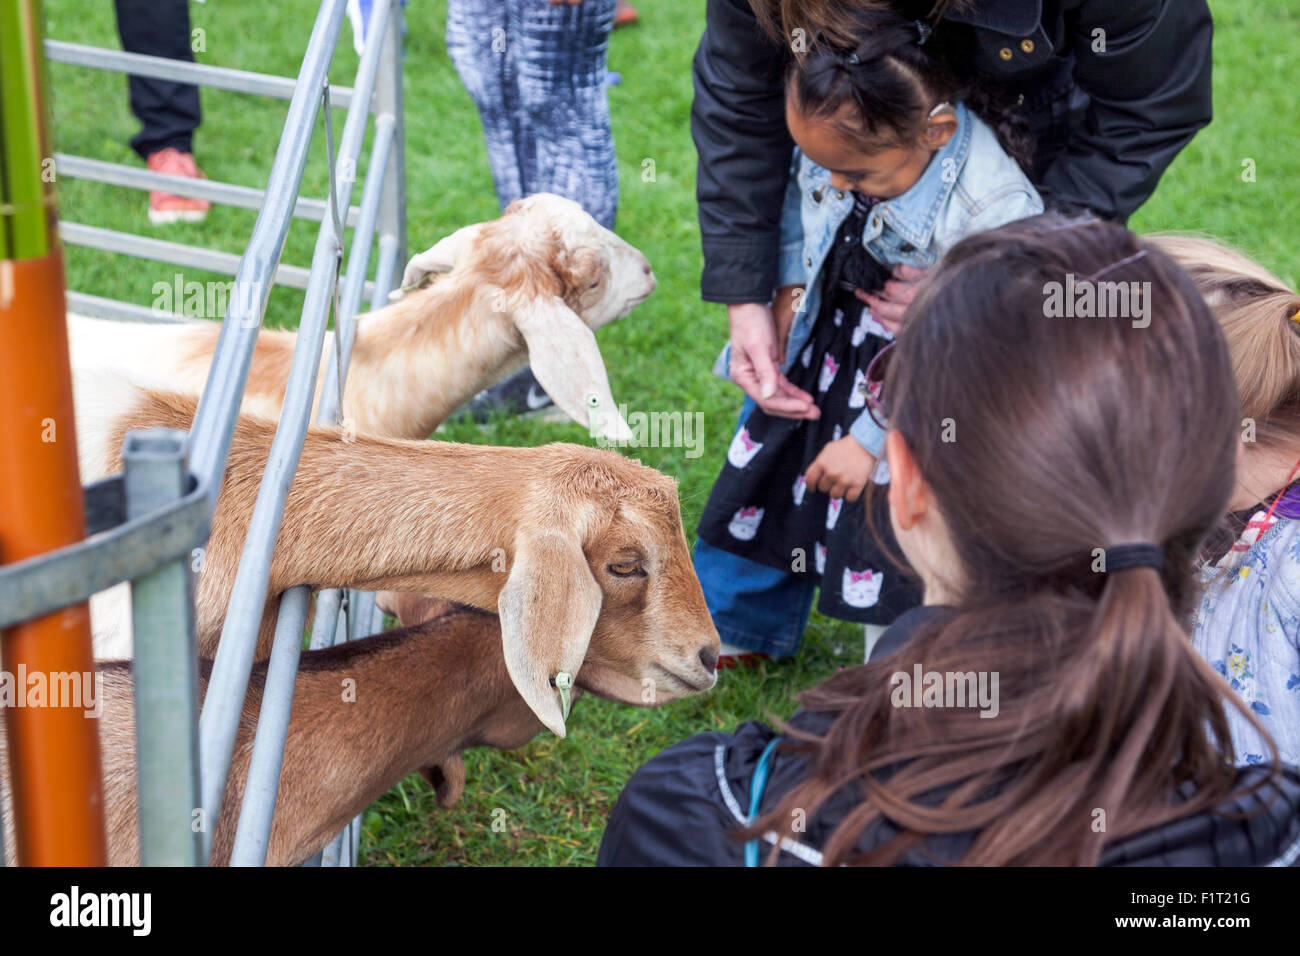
{"x":626,"y":569}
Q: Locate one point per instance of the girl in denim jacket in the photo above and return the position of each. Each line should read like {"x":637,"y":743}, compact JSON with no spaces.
{"x":894,"y":165}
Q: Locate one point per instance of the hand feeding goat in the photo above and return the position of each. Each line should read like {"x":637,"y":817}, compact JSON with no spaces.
{"x":573,"y":545}
{"x":423,"y":694}
{"x":529,"y":286}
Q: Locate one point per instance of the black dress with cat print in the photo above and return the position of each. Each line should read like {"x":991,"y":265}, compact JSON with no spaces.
{"x":761,"y":508}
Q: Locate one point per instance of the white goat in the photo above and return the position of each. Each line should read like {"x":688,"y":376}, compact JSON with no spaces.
{"x":529,"y":286}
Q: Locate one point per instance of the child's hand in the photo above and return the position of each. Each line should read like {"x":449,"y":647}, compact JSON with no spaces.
{"x":783,"y":310}
{"x":890,"y":303}
{"x":841,"y":469}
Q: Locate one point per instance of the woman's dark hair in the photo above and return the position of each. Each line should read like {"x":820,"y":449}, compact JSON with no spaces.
{"x":1045,"y":440}
{"x":895,"y":80}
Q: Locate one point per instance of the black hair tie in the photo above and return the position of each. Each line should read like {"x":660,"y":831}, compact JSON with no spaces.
{"x":1134,"y":556}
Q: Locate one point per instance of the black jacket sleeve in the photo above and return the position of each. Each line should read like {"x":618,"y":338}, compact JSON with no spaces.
{"x":1146,"y":68}
{"x":738,"y":124}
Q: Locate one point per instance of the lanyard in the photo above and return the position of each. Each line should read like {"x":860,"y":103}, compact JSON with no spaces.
{"x":756,"y":787}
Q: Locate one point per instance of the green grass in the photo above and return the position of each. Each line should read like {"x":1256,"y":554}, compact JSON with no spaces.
{"x":556,"y":794}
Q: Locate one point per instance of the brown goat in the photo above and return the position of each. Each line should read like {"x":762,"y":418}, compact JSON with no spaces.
{"x":422,"y":694}
{"x":568,"y":543}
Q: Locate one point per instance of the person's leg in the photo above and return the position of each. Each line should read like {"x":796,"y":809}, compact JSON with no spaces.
{"x":481,"y":47}
{"x":169,"y":112}
{"x":563,"y":90}
{"x":756,"y":608}
{"x":555,"y":106}
{"x":871,"y":634}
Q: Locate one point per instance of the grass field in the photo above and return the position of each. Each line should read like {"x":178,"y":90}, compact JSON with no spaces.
{"x":556,"y":794}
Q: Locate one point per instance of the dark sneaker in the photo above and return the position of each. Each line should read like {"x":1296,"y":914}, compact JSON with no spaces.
{"x":518,"y":395}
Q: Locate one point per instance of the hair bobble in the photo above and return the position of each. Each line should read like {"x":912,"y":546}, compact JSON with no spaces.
{"x":1296,"y":317}
{"x":923,"y":31}
{"x":1124,"y":556}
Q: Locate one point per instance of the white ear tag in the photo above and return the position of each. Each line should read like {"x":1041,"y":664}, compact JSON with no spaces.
{"x":563,"y":683}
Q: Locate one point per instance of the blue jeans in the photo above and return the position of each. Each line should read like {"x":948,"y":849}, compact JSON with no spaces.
{"x":754,"y":606}
{"x":759,"y":608}
{"x":536,"y":72}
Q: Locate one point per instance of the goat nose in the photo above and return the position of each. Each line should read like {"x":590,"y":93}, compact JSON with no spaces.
{"x":709,"y":658}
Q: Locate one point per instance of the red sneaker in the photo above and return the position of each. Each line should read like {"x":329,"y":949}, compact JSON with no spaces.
{"x":740,"y":660}
{"x":624,"y":14}
{"x":165,"y":208}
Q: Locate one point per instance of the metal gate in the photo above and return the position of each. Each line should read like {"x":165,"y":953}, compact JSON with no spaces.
{"x":144,"y":524}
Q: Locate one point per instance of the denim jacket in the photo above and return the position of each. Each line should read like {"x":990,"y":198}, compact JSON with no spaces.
{"x":970,"y":185}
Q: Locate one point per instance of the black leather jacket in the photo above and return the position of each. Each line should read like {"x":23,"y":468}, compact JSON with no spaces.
{"x":1110,"y":111}
{"x":679,"y":808}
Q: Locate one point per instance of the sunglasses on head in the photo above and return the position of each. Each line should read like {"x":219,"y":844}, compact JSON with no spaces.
{"x":874,"y":386}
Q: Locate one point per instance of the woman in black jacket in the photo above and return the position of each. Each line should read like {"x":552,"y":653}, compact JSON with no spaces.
{"x":1111,"y":90}
{"x":1052,"y":487}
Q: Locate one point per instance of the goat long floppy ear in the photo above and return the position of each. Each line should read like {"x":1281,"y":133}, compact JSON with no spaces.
{"x":548,"y":609}
{"x":563,"y":353}
{"x":442,"y":256}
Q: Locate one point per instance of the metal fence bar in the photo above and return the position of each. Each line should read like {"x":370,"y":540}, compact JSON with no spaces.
{"x":120,"y":551}
{"x":220,"y":719}
{"x":176,"y":253}
{"x":277,"y":694}
{"x":253,"y":834}
{"x":345,"y":325}
{"x":214,"y":421}
{"x":328,"y":603}
{"x":82,"y":303}
{"x":344,"y":849}
{"x":385,"y":271}
{"x":183,"y":71}
{"x":228,"y":194}
{"x":166,"y":683}
{"x":388,"y":102}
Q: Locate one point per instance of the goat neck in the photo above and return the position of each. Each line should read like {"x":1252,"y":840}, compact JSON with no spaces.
{"x":416,"y":361}
{"x":417,"y":698}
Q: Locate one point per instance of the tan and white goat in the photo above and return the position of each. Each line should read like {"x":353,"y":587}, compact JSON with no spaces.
{"x":570,"y":544}
{"x":529,"y":286}
{"x":423,"y":694}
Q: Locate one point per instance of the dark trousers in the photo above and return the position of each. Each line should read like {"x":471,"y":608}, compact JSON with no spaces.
{"x":168,"y":112}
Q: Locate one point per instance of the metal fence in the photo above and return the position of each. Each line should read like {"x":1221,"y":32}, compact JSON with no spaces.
{"x":144,"y":524}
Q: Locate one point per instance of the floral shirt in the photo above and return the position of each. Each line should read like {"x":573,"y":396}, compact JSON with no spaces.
{"x":1248,"y":627}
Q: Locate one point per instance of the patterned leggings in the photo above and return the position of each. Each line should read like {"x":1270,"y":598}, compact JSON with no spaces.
{"x":536,"y":72}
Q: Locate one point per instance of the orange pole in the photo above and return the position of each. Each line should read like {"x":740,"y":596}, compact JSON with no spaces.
{"x":53,"y":750}
{"x":53,"y":745}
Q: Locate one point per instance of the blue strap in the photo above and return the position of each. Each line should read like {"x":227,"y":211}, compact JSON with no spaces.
{"x":756,"y":787}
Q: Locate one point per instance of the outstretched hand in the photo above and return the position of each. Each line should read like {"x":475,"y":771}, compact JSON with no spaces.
{"x":754,"y":355}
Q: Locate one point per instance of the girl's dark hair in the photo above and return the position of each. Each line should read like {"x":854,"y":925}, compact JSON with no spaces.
{"x":895,"y":80}
{"x":1043,"y":441}
{"x":832,"y":20}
